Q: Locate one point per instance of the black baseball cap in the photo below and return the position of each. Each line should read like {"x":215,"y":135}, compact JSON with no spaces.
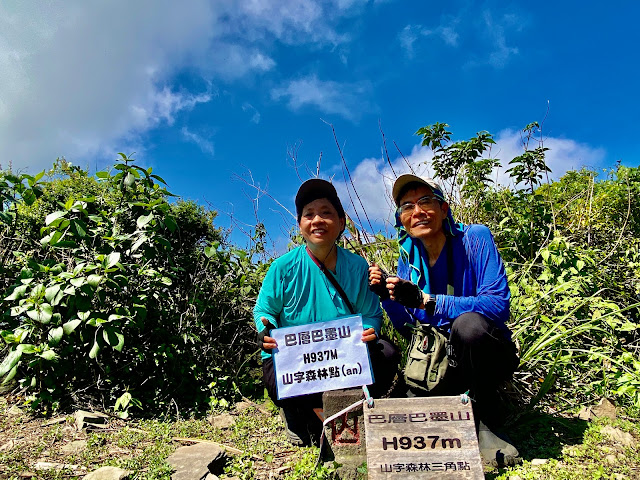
{"x":314,"y":189}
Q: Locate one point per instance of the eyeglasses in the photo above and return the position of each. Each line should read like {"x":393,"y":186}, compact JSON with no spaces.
{"x":423,"y":202}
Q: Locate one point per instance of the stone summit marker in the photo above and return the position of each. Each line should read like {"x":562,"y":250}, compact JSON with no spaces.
{"x":418,"y":438}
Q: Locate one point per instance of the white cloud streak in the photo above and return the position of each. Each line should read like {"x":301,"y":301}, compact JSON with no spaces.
{"x":411,"y":35}
{"x":203,"y":143}
{"x":489,"y":32}
{"x":326,"y":95}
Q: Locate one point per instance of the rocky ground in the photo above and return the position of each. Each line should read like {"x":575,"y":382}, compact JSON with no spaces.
{"x":247,"y":442}
{"x":74,"y":445}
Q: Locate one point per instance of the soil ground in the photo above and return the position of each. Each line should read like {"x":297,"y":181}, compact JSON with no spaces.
{"x":552,"y":446}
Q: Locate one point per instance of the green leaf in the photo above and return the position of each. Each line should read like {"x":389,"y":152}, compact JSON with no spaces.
{"x":65,"y":244}
{"x":52,"y":294}
{"x":26,"y":348}
{"x":113,"y":338}
{"x":78,"y":282}
{"x":55,"y":335}
{"x":70,"y":326}
{"x":140,"y":241}
{"x":10,"y":375}
{"x":94,"y":350}
{"x":7,"y":217}
{"x":49,"y":355}
{"x":102,"y":174}
{"x":157,"y":177}
{"x":28,"y":197}
{"x":84,"y":316}
{"x":123,"y":401}
{"x":19,"y":310}
{"x":94,"y":280}
{"x":112,"y":259}
{"x":143,"y":220}
{"x":163,"y":241}
{"x":170,"y":223}
{"x":79,"y":228}
{"x":55,"y":237}
{"x":54,"y":216}
{"x":9,"y":362}
{"x":42,"y":313}
{"x":17,"y":293}
{"x":129,"y":179}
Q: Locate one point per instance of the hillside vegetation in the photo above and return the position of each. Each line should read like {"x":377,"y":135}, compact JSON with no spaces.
{"x":116,"y":295}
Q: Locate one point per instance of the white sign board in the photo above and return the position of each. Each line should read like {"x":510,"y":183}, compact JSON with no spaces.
{"x":321,"y":356}
{"x":420,"y":438}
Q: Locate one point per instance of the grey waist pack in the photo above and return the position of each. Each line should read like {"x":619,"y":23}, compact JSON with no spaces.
{"x":427,"y":360}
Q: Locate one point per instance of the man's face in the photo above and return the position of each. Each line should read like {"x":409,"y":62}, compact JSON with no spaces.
{"x":424,"y":220}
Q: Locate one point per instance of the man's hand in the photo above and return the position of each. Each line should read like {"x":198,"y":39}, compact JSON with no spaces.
{"x":378,"y":282}
{"x":369,"y":335}
{"x":405,"y":292}
{"x":265,"y":342}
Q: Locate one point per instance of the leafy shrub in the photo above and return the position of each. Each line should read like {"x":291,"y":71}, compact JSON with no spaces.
{"x":115,"y":295}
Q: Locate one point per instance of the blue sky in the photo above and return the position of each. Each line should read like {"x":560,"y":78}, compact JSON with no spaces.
{"x":215,"y":95}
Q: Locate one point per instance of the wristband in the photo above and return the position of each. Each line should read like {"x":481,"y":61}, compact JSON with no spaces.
{"x":430,"y":304}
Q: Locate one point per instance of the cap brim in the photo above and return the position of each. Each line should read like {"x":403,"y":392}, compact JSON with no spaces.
{"x":406,"y":178}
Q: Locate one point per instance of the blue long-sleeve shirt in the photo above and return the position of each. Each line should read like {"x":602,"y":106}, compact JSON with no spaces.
{"x":296,"y":292}
{"x":479,"y":281}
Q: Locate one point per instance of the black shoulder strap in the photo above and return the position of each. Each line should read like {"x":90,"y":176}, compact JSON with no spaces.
{"x":332,"y":279}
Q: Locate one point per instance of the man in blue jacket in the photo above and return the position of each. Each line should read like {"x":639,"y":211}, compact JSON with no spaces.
{"x":452,"y":277}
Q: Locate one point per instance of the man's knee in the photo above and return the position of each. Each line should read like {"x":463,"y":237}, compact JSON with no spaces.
{"x":469,"y":328}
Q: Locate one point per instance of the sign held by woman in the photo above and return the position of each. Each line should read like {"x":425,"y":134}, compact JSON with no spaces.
{"x":321,"y":356}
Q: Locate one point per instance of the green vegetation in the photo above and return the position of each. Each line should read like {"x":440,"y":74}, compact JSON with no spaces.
{"x":117,"y":297}
{"x":113,"y":294}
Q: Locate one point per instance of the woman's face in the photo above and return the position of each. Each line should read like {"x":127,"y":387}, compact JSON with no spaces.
{"x":424,"y":223}
{"x":320,"y":224}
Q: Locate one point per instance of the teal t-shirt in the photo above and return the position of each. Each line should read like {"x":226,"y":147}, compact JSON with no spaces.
{"x":296,"y":292}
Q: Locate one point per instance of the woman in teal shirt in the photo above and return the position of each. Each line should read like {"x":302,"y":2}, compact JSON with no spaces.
{"x":295,"y":292}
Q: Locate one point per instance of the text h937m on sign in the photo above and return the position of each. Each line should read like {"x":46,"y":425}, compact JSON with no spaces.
{"x":422,"y":438}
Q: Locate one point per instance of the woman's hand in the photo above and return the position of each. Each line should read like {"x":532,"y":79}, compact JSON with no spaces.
{"x":369,"y":335}
{"x":264,"y":340}
{"x":378,"y":282}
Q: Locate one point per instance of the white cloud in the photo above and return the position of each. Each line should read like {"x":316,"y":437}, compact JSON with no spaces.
{"x":326,"y":95}
{"x":290,"y":22}
{"x":373,"y":177}
{"x":77,"y":77}
{"x":232,"y":61}
{"x":411,"y":35}
{"x":499,"y":53}
{"x":80,"y":76}
{"x":205,"y":144}
{"x":250,"y":109}
{"x":563,"y":154}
